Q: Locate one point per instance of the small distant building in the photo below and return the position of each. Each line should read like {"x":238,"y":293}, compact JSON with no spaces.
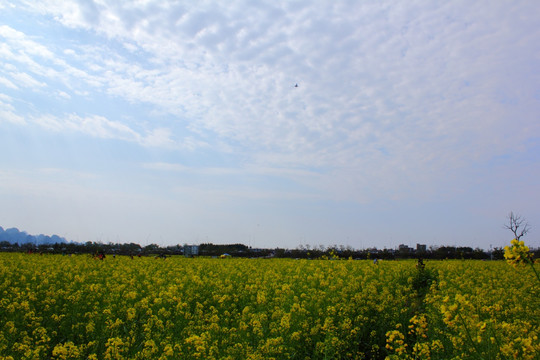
{"x":421,"y":248}
{"x":405,"y":249}
{"x":191,"y":250}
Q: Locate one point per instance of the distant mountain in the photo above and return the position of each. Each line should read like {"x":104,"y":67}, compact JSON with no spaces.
{"x":14,"y":236}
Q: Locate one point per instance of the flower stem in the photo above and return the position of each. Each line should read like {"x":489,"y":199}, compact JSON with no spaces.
{"x":535,"y":272}
{"x":468,"y":334}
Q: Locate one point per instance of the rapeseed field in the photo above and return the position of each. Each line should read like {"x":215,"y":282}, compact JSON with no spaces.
{"x":77,"y":307}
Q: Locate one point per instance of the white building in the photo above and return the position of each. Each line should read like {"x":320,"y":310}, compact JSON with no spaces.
{"x":191,"y":250}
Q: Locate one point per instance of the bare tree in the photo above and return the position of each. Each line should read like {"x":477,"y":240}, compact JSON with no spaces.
{"x":516,"y":222}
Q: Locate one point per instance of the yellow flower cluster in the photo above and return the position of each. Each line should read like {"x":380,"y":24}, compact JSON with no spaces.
{"x":481,"y":310}
{"x":518,"y":253}
{"x":422,"y":347}
{"x":60,"y":307}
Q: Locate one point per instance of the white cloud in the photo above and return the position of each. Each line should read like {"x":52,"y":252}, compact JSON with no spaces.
{"x":159,"y":138}
{"x":7,"y":83}
{"x":405,"y":93}
{"x":22,"y":42}
{"x":103,"y":128}
{"x":7,"y":111}
{"x":10,"y":116}
{"x":247,"y":170}
{"x":96,"y":126}
{"x":25,"y":80}
{"x":161,"y":166}
{"x":63,"y":95}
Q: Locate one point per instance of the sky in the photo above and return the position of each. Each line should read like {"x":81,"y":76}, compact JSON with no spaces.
{"x":174,"y":122}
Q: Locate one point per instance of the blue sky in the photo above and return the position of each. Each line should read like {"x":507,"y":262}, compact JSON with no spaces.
{"x":179,"y":122}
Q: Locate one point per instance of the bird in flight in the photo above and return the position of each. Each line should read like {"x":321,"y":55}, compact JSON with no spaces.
{"x":296,"y":85}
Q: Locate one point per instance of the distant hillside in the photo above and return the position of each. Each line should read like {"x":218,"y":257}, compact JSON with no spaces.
{"x":14,"y":236}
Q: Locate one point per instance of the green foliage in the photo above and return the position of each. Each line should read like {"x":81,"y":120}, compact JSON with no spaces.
{"x":423,"y":279}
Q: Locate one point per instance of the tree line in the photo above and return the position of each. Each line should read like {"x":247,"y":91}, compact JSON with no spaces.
{"x":241,"y":250}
